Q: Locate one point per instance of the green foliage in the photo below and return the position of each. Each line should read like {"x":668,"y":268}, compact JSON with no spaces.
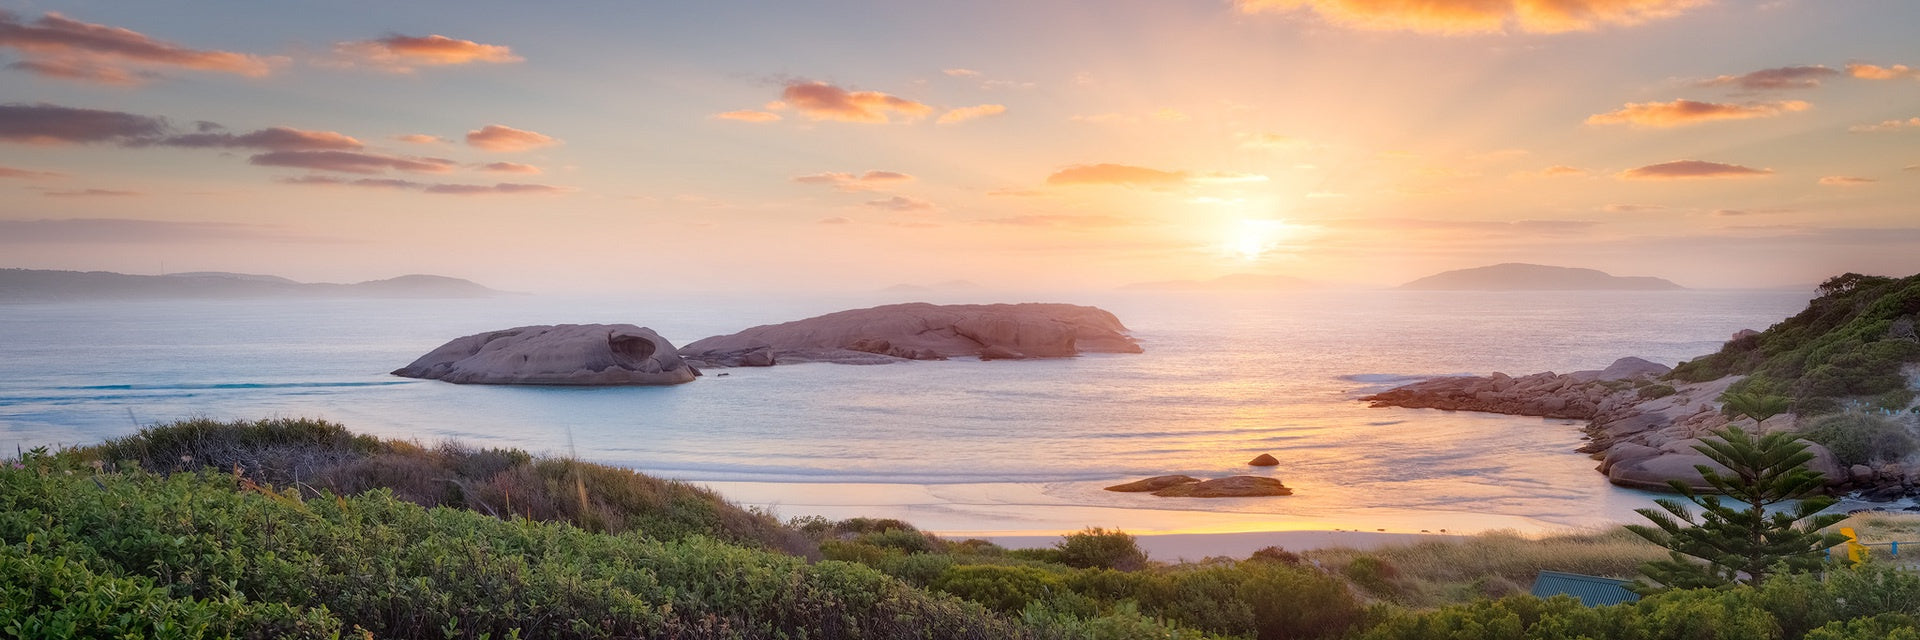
{"x":1373,"y":574}
{"x":1850,"y":604}
{"x":132,"y":554}
{"x":1097,"y":548}
{"x":1653,"y":391}
{"x":309,"y":456}
{"x":1731,"y":543}
{"x":1850,"y":342}
{"x":1860,"y":438}
{"x":1002,"y":588}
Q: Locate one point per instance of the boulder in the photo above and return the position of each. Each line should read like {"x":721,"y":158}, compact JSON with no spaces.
{"x":920,"y":331}
{"x":1825,"y":463}
{"x":566,"y":354}
{"x":1626,"y":452}
{"x":1264,"y":460}
{"x":1231,"y":487}
{"x":1860,"y":474}
{"x":1630,"y":367}
{"x":1155,"y":483}
{"x":1653,"y":473}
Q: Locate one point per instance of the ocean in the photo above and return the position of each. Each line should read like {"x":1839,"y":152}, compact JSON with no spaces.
{"x":1004,"y":446}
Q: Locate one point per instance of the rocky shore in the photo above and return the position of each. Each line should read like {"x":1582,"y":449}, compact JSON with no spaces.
{"x":920,"y":331}
{"x":1640,"y":428}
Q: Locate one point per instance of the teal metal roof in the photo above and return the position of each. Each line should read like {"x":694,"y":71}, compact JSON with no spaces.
{"x":1592,"y":591}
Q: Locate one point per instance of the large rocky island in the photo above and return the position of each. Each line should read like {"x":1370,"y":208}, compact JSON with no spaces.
{"x":921,"y":331}
{"x":566,"y":354}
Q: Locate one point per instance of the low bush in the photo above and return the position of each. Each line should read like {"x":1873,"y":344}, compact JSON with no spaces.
{"x":1097,"y":548}
{"x":1861,"y":438}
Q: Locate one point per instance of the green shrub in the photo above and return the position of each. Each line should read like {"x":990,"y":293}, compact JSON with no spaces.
{"x":1001,"y":588}
{"x":1653,"y":391}
{"x":1373,"y":574}
{"x":1860,"y":438}
{"x":1097,"y":548}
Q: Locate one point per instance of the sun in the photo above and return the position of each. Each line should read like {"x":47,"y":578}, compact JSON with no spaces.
{"x":1255,"y":238}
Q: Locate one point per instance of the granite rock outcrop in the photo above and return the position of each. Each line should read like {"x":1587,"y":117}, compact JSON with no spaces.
{"x":920,"y":331}
{"x":566,"y":354}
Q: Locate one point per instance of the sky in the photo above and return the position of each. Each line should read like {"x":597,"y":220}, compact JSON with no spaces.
{"x":1020,"y":145}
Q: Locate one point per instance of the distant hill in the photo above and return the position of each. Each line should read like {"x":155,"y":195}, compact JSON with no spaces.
{"x":35,"y":285}
{"x":1514,"y":276}
{"x":1234,"y":282}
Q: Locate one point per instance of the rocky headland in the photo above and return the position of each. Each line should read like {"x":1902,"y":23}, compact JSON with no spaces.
{"x":566,"y":354}
{"x":1642,"y":429}
{"x":921,"y":331}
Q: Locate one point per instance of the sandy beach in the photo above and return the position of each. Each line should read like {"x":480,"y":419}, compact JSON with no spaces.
{"x":1032,"y":515}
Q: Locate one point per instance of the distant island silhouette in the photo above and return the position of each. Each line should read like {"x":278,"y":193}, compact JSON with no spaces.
{"x":1515,"y":276}
{"x":30,"y":285}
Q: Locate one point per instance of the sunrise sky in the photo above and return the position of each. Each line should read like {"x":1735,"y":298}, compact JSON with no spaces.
{"x":1020,"y":144}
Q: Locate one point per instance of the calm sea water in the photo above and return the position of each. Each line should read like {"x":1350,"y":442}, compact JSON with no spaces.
{"x":1224,"y":378}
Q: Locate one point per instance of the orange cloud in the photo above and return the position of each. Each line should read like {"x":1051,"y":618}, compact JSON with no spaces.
{"x":961,"y":73}
{"x":1685,"y":112}
{"x":351,"y":162}
{"x":499,"y":188}
{"x":273,"y":138}
{"x":46,"y":124}
{"x":1845,"y":181}
{"x":1106,"y":118}
{"x":510,"y":167}
{"x":868,"y":181}
{"x":963,"y":114}
{"x":405,"y":54}
{"x":1890,"y":125}
{"x":25,"y":174}
{"x":1561,"y":170}
{"x":901,"y":203}
{"x":1877,"y":72}
{"x":494,"y":137}
{"x":1796,"y":77}
{"x":836,"y":220}
{"x":1457,"y":17}
{"x":1267,"y":140}
{"x":1681,"y":169}
{"x":1117,"y":174}
{"x":1632,"y":208}
{"x":56,"y":46}
{"x":822,"y":101}
{"x":748,"y":115}
{"x":419,"y":138}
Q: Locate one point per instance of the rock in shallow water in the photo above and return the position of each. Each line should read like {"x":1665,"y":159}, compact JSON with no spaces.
{"x":1155,"y":483}
{"x":566,"y":354}
{"x":1233,"y":487}
{"x":920,"y":331}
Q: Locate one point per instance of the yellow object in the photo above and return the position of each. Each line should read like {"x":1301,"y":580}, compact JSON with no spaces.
{"x":1855,"y":551}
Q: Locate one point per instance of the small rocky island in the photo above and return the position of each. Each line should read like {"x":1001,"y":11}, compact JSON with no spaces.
{"x":921,"y":331}
{"x":566,"y":354}
{"x":1178,"y":486}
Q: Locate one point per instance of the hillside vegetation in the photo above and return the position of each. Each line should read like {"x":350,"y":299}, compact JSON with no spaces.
{"x":1851,"y":342}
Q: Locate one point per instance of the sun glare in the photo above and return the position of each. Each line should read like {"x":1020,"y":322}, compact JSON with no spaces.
{"x":1255,"y":238}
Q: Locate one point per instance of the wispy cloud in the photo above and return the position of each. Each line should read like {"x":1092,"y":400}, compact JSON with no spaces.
{"x":1685,"y":112}
{"x":91,"y":193}
{"x":1563,"y":171}
{"x":868,"y":181}
{"x":26,"y":174}
{"x":901,"y":203}
{"x":1458,"y":17}
{"x":1889,"y":125}
{"x":1106,"y":118}
{"x":963,"y":114}
{"x":1632,"y":208}
{"x":510,"y":167}
{"x":406,"y":54}
{"x":272,"y":138}
{"x":1845,"y":181}
{"x":502,"y":188}
{"x":351,"y":162}
{"x":748,"y":115}
{"x":1270,"y":140}
{"x":419,"y":138}
{"x":1061,"y":221}
{"x":1117,"y":174}
{"x":56,"y":46}
{"x":961,"y":73}
{"x":495,"y":137}
{"x":835,"y":220}
{"x":1684,"y":169}
{"x":822,"y":101}
{"x":128,"y":231}
{"x":46,"y":124}
{"x":1876,"y":72}
{"x":1796,"y":77}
